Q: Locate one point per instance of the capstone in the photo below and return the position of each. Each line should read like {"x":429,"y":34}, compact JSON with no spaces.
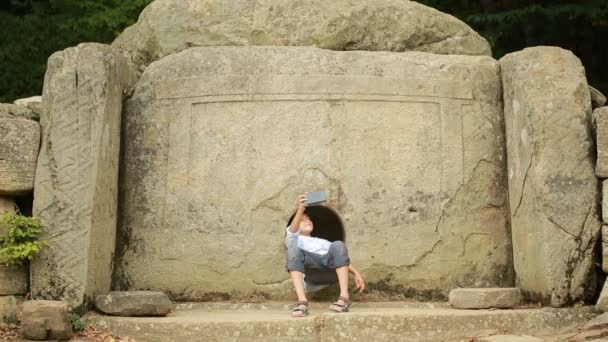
{"x":169,"y":26}
{"x":553,"y":191}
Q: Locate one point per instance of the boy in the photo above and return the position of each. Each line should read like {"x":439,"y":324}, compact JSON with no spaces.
{"x":314,"y":263}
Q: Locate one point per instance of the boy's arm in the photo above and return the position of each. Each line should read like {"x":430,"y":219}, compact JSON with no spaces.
{"x":295,"y":223}
{"x":359,"y":281}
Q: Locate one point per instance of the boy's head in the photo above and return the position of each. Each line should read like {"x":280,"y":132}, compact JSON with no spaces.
{"x":306,"y":225}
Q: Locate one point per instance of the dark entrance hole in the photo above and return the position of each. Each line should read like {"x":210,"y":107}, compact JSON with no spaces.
{"x":327,"y":224}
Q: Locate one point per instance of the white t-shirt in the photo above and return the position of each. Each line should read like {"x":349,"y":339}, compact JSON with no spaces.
{"x":308,"y":243}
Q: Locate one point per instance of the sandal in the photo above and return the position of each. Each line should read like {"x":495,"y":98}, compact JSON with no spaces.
{"x":300,"y":309}
{"x":336,"y":307}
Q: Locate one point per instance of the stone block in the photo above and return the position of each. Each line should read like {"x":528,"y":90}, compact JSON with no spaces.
{"x":19,"y":145}
{"x":409,"y":143}
{"x":10,"y":306}
{"x":76,"y":178}
{"x":552,"y":186}
{"x":13,"y":280}
{"x":46,"y":320}
{"x":509,"y":338}
{"x":485,"y":298}
{"x":600,"y":118}
{"x":379,"y":25}
{"x":134,"y":303}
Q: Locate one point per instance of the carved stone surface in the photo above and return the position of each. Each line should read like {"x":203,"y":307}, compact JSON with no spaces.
{"x":220,"y":141}
{"x":170,"y":26}
{"x":19,"y":145}
{"x":76,"y":177}
{"x":553,"y":191}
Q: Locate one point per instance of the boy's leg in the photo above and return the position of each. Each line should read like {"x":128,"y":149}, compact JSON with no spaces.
{"x":339,"y":260}
{"x":297,"y":278}
{"x":295,"y":267}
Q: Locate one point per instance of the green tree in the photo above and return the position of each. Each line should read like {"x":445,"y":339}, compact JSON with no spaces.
{"x":34,"y":29}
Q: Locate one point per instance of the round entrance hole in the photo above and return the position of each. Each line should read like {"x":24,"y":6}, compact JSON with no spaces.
{"x":327,"y":224}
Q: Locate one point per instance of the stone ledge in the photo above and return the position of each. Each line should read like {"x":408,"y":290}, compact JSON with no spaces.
{"x":365,"y":322}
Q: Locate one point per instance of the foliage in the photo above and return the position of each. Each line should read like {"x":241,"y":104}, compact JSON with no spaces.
{"x":32,"y":30}
{"x":79,"y":323}
{"x":20,"y":242}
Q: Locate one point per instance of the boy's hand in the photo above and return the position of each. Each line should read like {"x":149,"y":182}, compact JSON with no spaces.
{"x":359,"y":282}
{"x":302,"y":202}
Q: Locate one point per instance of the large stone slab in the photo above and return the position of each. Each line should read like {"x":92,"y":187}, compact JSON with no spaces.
{"x":46,"y":320}
{"x":509,"y":338}
{"x":170,"y":26}
{"x":553,"y":191}
{"x":134,"y":303}
{"x":76,"y":178}
{"x":220,"y":141}
{"x":19,"y":145}
{"x":485,"y":298}
{"x":600,"y":119}
{"x":13,"y":280}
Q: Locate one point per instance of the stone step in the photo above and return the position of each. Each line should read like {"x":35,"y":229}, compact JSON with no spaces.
{"x":395,"y":321}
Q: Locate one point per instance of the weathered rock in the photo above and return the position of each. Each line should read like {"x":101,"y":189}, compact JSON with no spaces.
{"x":599,"y":322}
{"x":46,"y":320}
{"x":605,"y":200}
{"x":485,"y":298}
{"x":552,"y":187}
{"x":604,"y":237}
{"x":13,"y":280}
{"x":600,"y":119}
{"x":407,"y":145}
{"x":597,"y":98}
{"x":19,"y":145}
{"x":76,"y":178}
{"x":134,"y":303}
{"x":8,"y":110}
{"x":34,"y":103}
{"x":169,"y":26}
{"x":602,"y":301}
{"x":509,"y":338}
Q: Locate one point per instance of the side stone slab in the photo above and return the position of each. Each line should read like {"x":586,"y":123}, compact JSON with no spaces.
{"x":553,"y":190}
{"x":76,"y":178}
{"x":220,"y":141}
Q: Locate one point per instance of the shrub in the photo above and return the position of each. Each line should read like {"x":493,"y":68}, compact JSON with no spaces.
{"x":20,"y":243}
